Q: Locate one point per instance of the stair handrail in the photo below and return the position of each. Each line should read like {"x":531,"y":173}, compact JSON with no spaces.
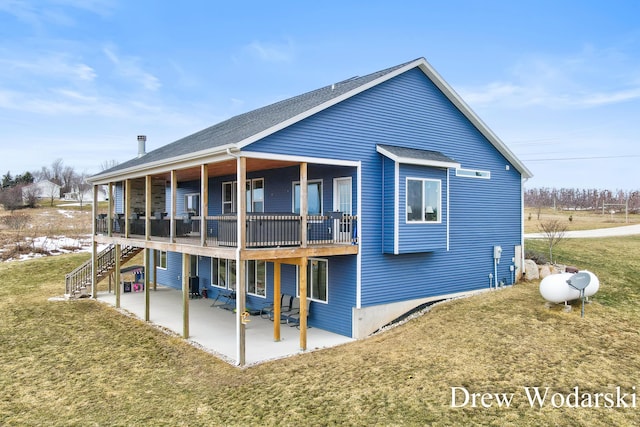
{"x":81,"y":276}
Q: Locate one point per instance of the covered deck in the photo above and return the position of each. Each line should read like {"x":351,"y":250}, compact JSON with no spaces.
{"x":214,"y":328}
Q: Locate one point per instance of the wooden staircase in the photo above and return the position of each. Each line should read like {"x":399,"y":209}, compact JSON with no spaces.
{"x":78,"y":283}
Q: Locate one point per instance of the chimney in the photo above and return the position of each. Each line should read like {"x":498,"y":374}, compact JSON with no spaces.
{"x":142,"y":139}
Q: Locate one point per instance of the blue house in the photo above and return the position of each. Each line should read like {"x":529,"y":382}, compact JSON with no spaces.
{"x":363,"y":199}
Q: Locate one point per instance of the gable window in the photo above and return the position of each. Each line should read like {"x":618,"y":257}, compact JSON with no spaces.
{"x":317,"y":280}
{"x":257,"y":277}
{"x":423,"y":200}
{"x":473,"y":173}
{"x":314,"y":197}
{"x":254,"y":192}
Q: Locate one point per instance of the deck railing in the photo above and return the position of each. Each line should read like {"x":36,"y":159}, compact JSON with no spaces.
{"x":262,"y":229}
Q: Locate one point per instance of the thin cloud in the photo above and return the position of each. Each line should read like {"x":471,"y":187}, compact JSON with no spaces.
{"x":129,"y":67}
{"x":272,"y":52}
{"x":48,"y":66}
{"x":572,"y":82}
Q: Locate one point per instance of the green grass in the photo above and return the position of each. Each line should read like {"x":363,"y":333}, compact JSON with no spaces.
{"x":82,"y":363}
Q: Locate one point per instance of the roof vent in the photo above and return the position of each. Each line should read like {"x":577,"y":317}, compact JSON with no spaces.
{"x":142,"y":139}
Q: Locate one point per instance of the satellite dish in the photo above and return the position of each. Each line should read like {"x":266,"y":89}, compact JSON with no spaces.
{"x":579,"y":280}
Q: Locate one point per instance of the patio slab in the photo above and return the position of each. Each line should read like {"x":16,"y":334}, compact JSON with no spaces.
{"x":214,"y":329}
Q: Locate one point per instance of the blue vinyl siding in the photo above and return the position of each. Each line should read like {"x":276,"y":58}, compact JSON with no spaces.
{"x":388,"y":205}
{"x":407,"y":111}
{"x":422,"y":237}
{"x":410,"y":111}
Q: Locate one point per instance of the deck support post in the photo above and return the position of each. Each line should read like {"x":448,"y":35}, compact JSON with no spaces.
{"x":117,"y":274}
{"x":204,"y":203}
{"x":94,"y":245}
{"x":276,"y":300}
{"x":110,"y":210}
{"x":303,"y":301}
{"x":147,"y":208}
{"x":147,"y":265}
{"x":304,"y":204}
{"x":240,"y":268}
{"x":127,"y":207}
{"x":172,"y":214}
{"x":186,"y":267}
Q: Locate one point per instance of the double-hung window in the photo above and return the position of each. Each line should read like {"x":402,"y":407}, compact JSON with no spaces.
{"x":424,"y":200}
{"x":314,"y":197}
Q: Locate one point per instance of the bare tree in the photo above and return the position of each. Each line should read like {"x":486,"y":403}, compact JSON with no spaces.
{"x":108,"y":164}
{"x":82,"y":186}
{"x":68,"y":177}
{"x":554,"y":232}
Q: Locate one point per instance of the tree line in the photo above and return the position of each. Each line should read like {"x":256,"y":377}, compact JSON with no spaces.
{"x":16,"y":193}
{"x":583,"y":199}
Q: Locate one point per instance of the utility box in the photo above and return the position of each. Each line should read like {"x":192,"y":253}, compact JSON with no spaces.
{"x":497,"y":253}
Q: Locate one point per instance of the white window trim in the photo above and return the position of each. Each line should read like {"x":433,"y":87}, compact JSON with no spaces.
{"x":473,"y":173}
{"x":406,"y":205}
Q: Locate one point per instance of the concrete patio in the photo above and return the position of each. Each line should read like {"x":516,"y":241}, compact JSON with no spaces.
{"x":214,"y":328}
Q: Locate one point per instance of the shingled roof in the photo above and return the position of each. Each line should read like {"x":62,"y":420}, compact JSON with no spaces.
{"x":245,"y":128}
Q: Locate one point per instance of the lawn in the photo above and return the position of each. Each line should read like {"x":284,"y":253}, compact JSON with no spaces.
{"x":82,"y":363}
{"x":580,"y":220}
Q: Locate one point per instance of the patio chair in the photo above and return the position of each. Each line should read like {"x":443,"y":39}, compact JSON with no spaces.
{"x":227,"y":300}
{"x":293,"y":318}
{"x":286,"y":306}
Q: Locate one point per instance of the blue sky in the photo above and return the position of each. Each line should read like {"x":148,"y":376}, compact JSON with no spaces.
{"x":558,"y":81}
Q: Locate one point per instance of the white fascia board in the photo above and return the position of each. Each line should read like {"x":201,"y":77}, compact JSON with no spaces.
{"x":475,"y":120}
{"x":213,"y":155}
{"x":300,"y":159}
{"x":419,"y":162}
